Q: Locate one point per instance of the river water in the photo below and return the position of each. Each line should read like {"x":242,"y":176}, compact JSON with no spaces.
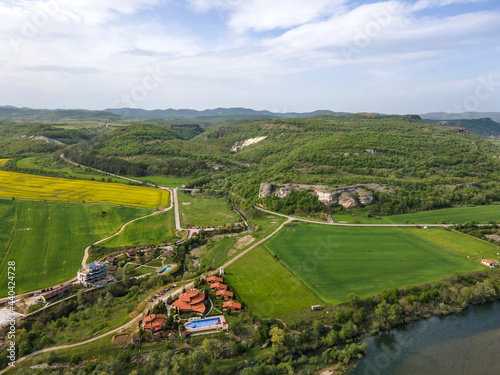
{"x":467,"y":343}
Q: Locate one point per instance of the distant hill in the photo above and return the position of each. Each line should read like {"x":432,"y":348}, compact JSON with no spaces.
{"x":217,"y":112}
{"x":484,"y":127}
{"x":9,"y":113}
{"x":495,"y":116}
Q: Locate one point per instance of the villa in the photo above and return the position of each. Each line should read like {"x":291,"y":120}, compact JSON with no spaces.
{"x":153,"y":322}
{"x":231,"y":306}
{"x":190,"y":302}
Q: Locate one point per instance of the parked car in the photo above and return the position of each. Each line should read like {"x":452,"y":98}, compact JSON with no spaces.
{"x":150,"y":300}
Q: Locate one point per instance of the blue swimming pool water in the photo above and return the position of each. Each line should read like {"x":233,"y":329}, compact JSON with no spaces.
{"x":165,"y":269}
{"x":203,"y":323}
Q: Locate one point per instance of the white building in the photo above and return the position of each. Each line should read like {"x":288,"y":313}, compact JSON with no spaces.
{"x":92,"y":273}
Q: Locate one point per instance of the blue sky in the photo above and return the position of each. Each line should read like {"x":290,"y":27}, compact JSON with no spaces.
{"x":281,"y":55}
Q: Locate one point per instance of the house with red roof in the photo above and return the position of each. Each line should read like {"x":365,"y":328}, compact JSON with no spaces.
{"x":218,"y":286}
{"x":190,"y":302}
{"x":224,"y":294}
{"x":214,"y":279}
{"x":153,"y":322}
{"x":231,"y":306}
{"x":490,"y":263}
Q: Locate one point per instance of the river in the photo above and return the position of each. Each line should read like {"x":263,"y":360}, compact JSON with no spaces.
{"x":467,"y":343}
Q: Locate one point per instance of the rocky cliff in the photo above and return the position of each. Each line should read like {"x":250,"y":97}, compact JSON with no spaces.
{"x":348,"y":197}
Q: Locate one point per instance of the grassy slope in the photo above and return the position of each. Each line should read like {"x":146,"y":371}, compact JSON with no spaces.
{"x":267,"y":287}
{"x":26,"y":186}
{"x":145,"y":232}
{"x":50,"y":238}
{"x":334,"y":262}
{"x":205,"y":212}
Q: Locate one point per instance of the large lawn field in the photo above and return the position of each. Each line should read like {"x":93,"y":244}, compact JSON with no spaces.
{"x":153,"y":230}
{"x":25,"y":186}
{"x":47,"y":240}
{"x":266,"y":287}
{"x":456,"y":215}
{"x":336,"y":261}
{"x":204,"y":212}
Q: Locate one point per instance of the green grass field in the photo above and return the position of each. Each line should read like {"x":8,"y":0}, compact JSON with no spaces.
{"x":336,"y":261}
{"x":267,"y":287}
{"x":457,"y":215}
{"x":454,"y":215}
{"x":47,"y":240}
{"x":153,"y":230}
{"x":204,"y":212}
{"x":458,"y":243}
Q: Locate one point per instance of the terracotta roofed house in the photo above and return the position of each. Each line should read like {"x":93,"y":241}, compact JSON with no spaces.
{"x":224,"y":294}
{"x":153,"y":322}
{"x":218,"y":286}
{"x":214,"y":279}
{"x":190,"y":302}
{"x":231,"y":306}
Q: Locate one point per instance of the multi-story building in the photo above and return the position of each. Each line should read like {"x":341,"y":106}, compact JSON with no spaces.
{"x":92,"y":273}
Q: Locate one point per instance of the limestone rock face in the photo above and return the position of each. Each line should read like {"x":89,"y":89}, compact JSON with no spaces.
{"x":346,"y":200}
{"x":365,"y":197}
{"x":327,"y":197}
{"x":265,"y":190}
{"x":284,"y":192}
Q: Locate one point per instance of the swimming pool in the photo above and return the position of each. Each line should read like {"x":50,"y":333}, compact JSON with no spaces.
{"x":165,"y":269}
{"x":202,"y":323}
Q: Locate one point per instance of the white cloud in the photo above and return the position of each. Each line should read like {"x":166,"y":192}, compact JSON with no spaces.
{"x":425,"y":4}
{"x":264,"y":15}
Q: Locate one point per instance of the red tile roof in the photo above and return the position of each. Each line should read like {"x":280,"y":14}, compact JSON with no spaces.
{"x":153,"y":321}
{"x":224,"y":293}
{"x":190,"y":302}
{"x":231,"y":305}
{"x":214,"y":279}
{"x":218,"y":286}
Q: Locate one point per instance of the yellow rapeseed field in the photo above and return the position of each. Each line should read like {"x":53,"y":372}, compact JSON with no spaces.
{"x":26,"y":186}
{"x":3,"y":161}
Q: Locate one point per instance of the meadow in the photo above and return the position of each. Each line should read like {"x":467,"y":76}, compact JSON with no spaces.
{"x":266,"y":287}
{"x":47,"y":240}
{"x":455,"y":215}
{"x":336,"y":261}
{"x":205,"y":212}
{"x":3,"y":161}
{"x":25,"y":186}
{"x":151,"y":230}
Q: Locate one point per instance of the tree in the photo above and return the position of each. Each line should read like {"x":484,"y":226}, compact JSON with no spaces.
{"x":353,"y":299}
{"x":277,"y":337}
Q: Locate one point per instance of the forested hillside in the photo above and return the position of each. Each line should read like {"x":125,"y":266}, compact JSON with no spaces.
{"x":424,"y":162}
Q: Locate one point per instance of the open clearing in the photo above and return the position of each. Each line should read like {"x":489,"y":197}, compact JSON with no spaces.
{"x":52,"y":250}
{"x":267,"y":287}
{"x":25,"y":186}
{"x":336,"y":261}
{"x":205,"y":212}
{"x":151,"y":230}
